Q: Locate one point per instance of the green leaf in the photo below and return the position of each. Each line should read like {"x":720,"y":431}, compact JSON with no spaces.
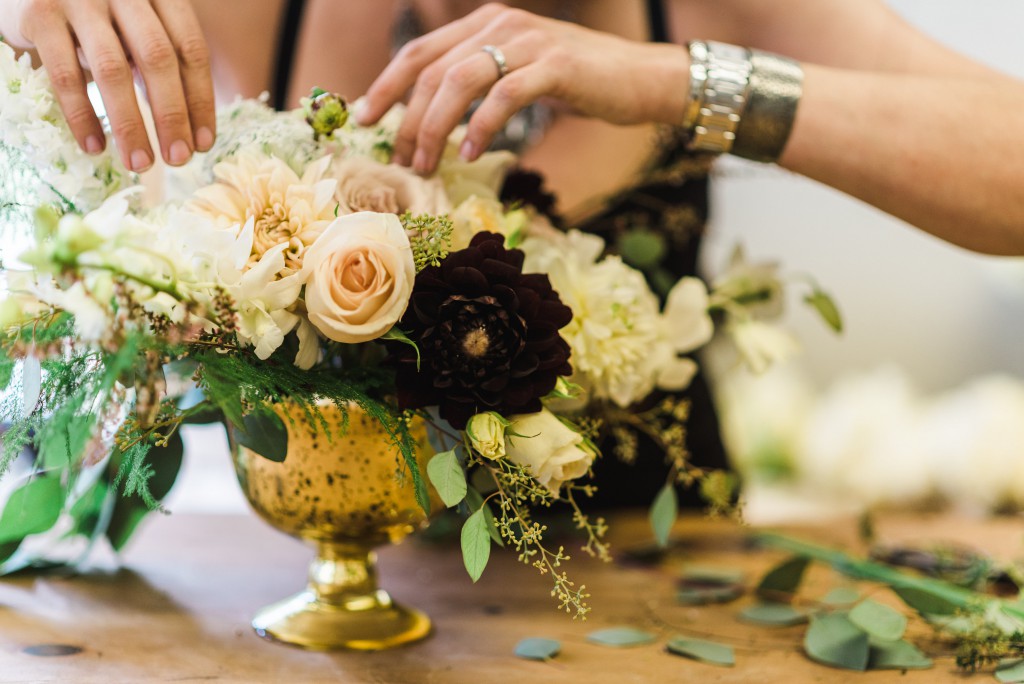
{"x":397,"y":335}
{"x":834,"y":640}
{"x":538,"y":649}
{"x":621,"y":637}
{"x":708,"y":594}
{"x":926,"y":602}
{"x":827,"y":309}
{"x":129,"y":511}
{"x":663,"y":514}
{"x":87,"y":510}
{"x":1010,"y":672}
{"x":709,"y":575}
{"x":704,"y":651}
{"x":476,"y":544}
{"x":475,"y":501}
{"x":448,"y":477}
{"x":782,"y":581}
{"x":265,"y":434}
{"x":899,"y":655}
{"x":6,"y":372}
{"x":32,"y":508}
{"x":878,"y":620}
{"x":841,"y":597}
{"x":773,"y":615}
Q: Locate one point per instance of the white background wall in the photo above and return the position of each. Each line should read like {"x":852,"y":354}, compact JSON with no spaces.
{"x":941,"y":313}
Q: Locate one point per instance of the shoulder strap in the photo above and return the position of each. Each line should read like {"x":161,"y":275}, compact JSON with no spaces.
{"x":287,"y":37}
{"x":657,"y":28}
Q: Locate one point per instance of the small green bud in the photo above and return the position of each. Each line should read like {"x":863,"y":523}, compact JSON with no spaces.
{"x":325,"y":112}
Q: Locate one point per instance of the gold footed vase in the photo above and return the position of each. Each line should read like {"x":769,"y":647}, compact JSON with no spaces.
{"x":343,"y":496}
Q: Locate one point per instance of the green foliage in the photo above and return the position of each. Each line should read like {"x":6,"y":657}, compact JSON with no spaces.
{"x":475,"y":502}
{"x":476,"y":545}
{"x":897,"y":655}
{"x":1011,"y":672}
{"x":264,"y":433}
{"x":621,"y":637}
{"x":663,"y":514}
{"x":773,"y":615}
{"x":448,"y":477}
{"x":782,"y":581}
{"x":704,"y":651}
{"x":834,"y":640}
{"x":430,"y":236}
{"x":878,"y":620}
{"x":159,"y":466}
{"x":826,"y":308}
{"x":33,"y":508}
{"x":538,"y":649}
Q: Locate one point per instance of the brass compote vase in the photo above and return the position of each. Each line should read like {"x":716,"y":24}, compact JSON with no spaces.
{"x":342,"y":495}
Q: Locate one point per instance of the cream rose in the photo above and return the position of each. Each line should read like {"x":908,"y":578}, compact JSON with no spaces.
{"x":486,"y":432}
{"x":359,"y":276}
{"x":368,"y":185}
{"x":553,"y":452}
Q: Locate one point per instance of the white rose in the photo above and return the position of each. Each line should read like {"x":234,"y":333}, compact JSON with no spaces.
{"x":482,"y":178}
{"x":479,"y":215}
{"x":368,"y":185}
{"x":359,"y":275}
{"x":486,"y":432}
{"x":552,"y":452}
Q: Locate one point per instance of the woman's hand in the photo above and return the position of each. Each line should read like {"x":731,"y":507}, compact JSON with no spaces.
{"x":160,"y":38}
{"x":594,"y":74}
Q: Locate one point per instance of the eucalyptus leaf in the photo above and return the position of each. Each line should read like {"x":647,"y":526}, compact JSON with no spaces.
{"x":841,"y":597}
{"x":897,"y":655}
{"x":536,"y":648}
{"x":834,"y":640}
{"x":1010,"y":672}
{"x":712,"y":575}
{"x":773,"y":615}
{"x":704,"y":651}
{"x":129,"y":511}
{"x":476,"y":544}
{"x":703,"y":595}
{"x":621,"y":637}
{"x":926,"y":602}
{"x":879,"y":620}
{"x":448,"y":477}
{"x":827,"y":309}
{"x":32,"y":508}
{"x":782,"y":581}
{"x":475,"y":501}
{"x":264,"y":433}
{"x":664,"y":512}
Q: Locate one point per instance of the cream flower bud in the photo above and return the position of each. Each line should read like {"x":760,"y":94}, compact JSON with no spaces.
{"x":486,"y":432}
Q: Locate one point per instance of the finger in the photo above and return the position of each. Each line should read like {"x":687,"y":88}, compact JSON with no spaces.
{"x":57,"y":51}
{"x":109,"y":66}
{"x":186,"y":35}
{"x":508,"y":96}
{"x":157,"y":61}
{"x":400,"y":75}
{"x":463,"y":83}
{"x":459,"y":68}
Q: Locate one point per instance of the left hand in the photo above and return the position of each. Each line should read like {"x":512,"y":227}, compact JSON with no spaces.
{"x":594,"y":74}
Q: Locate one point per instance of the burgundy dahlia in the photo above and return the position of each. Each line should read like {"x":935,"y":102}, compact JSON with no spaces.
{"x":487,"y":335}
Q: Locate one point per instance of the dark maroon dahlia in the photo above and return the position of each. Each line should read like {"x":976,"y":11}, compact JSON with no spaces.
{"x":487,"y":335}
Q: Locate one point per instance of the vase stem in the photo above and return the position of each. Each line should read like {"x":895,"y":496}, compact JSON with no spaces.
{"x":343,"y":574}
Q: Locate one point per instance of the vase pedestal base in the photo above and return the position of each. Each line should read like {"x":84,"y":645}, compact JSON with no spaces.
{"x":365,"y":623}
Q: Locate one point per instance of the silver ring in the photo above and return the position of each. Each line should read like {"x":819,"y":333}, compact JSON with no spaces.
{"x":499,"y":59}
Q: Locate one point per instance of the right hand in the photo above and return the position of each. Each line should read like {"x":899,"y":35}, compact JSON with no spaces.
{"x":160,"y":38}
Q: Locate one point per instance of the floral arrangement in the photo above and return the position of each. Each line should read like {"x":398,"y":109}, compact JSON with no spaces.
{"x":294,"y":263}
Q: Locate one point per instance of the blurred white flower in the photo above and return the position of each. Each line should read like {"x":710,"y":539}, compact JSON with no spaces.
{"x":762,"y":344}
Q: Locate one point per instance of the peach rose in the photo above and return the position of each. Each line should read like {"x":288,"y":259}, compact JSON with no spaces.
{"x":359,"y":275}
{"x":368,"y":185}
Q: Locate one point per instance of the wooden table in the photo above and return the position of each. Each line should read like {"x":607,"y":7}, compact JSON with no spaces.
{"x":178,"y":611}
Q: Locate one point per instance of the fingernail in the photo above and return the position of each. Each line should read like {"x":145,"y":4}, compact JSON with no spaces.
{"x":93,"y":144}
{"x":204,"y":139}
{"x":419,"y":162}
{"x":467,"y":150}
{"x":179,"y":153}
{"x":360,"y":111}
{"x":140,"y":161}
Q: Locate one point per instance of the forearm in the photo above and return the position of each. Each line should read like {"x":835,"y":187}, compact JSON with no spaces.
{"x":944,"y":154}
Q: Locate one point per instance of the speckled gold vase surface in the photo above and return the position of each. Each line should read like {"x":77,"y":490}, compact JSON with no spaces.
{"x":341,"y":494}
